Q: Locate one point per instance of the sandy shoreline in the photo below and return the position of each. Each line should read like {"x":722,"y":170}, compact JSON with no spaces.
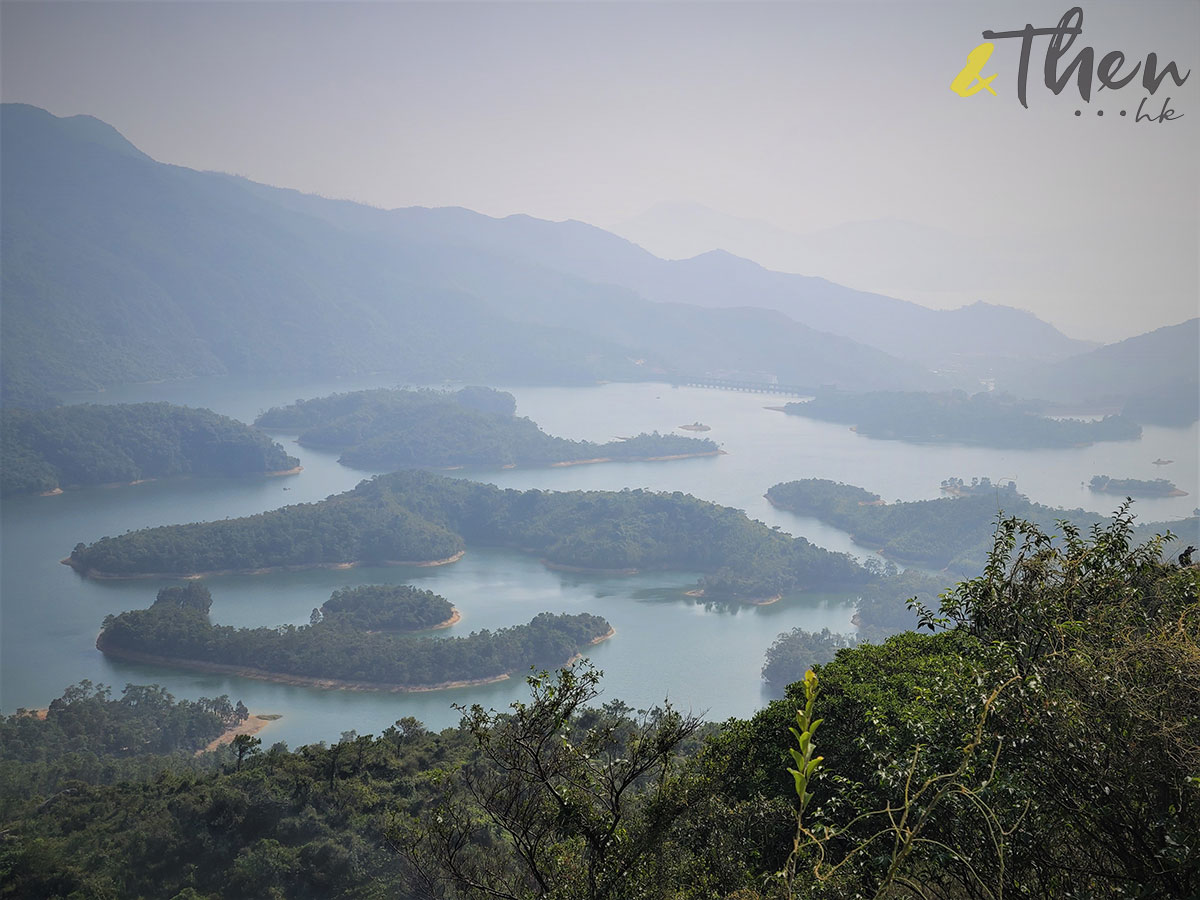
{"x":593,"y":642}
{"x":573,"y":462}
{"x":562,"y":463}
{"x":108,"y":576}
{"x":749,"y":601}
{"x":252,"y":724}
{"x":608,"y":459}
{"x":119,"y":484}
{"x":764,"y":601}
{"x":454,"y":619}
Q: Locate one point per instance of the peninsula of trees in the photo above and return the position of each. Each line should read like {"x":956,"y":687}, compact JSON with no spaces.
{"x":418,"y":516}
{"x":176,"y":630}
{"x":1135,"y":487}
{"x":71,"y":446}
{"x":475,"y":426}
{"x":955,"y":417}
{"x":951,"y":532}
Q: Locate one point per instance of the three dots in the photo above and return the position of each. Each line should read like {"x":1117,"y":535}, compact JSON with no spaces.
{"x":1099,"y":112}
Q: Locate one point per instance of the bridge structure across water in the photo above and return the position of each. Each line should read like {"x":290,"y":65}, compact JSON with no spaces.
{"x":754,"y":387}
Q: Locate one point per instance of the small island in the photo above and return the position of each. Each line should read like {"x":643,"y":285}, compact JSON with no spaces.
{"x":475,"y":426}
{"x":386,"y":607}
{"x":176,"y":631}
{"x":93,"y":444}
{"x":1134,"y":487}
{"x":696,"y":426}
{"x":955,"y":417}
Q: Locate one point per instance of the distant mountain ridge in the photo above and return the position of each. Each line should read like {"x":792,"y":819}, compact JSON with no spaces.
{"x":1165,"y":361}
{"x":118,"y":268}
{"x":933,"y":338}
{"x":907,"y":256}
{"x":857,"y":253}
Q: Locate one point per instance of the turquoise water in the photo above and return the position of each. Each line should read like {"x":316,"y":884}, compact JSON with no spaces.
{"x":703,"y":657}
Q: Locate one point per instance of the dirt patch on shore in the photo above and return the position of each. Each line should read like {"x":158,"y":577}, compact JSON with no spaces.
{"x":252,"y":724}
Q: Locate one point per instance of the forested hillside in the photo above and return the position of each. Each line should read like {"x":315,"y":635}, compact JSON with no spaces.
{"x":1154,"y":375}
{"x":393,"y":429}
{"x":89,"y":737}
{"x":73,"y":446}
{"x":120,"y":269}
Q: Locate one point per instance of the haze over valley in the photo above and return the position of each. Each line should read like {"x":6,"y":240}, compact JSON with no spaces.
{"x":445,"y":457}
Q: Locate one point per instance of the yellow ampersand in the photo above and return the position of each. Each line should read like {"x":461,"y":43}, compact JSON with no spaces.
{"x":976,"y":60}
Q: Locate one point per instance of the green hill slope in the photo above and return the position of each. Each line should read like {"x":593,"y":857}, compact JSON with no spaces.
{"x":118,"y":268}
{"x":74,"y":446}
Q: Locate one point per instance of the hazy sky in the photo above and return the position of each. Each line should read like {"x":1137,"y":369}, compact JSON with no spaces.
{"x":803,"y":115}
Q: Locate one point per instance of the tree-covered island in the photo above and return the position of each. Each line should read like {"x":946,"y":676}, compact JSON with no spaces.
{"x":475,"y":426}
{"x":386,"y":607}
{"x":954,"y":533}
{"x":955,"y":417}
{"x":417,"y":516}
{"x":334,"y":651}
{"x":1043,"y":739}
{"x":68,"y":446}
{"x":1135,"y":487}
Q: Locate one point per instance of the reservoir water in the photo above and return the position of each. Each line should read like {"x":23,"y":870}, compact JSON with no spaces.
{"x":701,"y":656}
